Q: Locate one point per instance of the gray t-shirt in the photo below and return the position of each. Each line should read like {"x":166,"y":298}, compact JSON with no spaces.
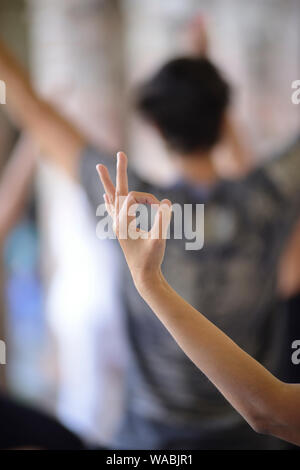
{"x":232,"y":280}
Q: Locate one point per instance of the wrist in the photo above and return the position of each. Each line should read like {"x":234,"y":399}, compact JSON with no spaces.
{"x":149,"y":282}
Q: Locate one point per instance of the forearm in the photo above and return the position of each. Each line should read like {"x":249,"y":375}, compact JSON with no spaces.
{"x":20,"y":95}
{"x":58,"y":138}
{"x":255,"y":393}
{"x":15,"y":184}
{"x":239,"y":149}
{"x":289,"y":267}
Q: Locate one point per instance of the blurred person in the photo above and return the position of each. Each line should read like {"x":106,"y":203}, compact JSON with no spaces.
{"x":22,"y":426}
{"x":26,"y":427}
{"x":81,"y":318}
{"x":168,"y":403}
{"x":269,"y":405}
{"x":15,"y":187}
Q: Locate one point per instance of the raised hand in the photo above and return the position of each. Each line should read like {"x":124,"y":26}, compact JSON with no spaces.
{"x":197,"y":36}
{"x":143,"y":250}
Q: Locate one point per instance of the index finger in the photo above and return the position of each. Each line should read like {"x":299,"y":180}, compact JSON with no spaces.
{"x":107,"y":182}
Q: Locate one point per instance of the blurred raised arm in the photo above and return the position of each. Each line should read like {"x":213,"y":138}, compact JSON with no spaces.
{"x":58,"y":138}
{"x":198,"y":44}
{"x":15,"y":184}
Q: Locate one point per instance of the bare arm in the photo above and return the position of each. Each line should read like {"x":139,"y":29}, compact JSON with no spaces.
{"x":284,"y":172}
{"x":15,"y":184}
{"x":198,"y":44}
{"x":289,"y":268}
{"x":58,"y":138}
{"x":242,"y":157}
{"x":269,"y":405}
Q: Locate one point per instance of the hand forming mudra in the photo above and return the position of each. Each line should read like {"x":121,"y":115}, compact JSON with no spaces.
{"x":144,"y":251}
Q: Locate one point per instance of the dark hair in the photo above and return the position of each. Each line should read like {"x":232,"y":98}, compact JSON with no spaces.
{"x":186,"y":100}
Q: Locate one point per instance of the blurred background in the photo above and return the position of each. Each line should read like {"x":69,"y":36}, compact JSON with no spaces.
{"x":86,"y":56}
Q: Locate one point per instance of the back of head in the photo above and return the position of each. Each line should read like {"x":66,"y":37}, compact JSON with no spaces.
{"x":186,"y":100}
